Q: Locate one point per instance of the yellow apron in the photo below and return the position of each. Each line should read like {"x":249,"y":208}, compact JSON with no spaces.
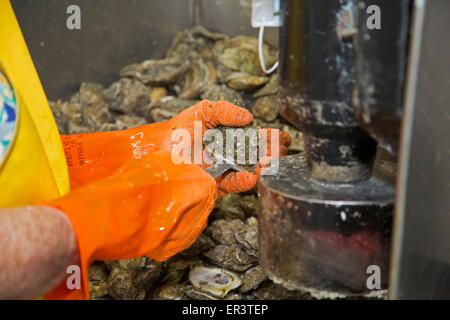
{"x":34,"y":169}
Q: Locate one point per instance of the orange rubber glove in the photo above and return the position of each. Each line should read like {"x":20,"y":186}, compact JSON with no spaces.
{"x":93,"y":156}
{"x":150,"y":206}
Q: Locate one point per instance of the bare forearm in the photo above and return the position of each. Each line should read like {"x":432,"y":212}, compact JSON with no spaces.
{"x":37,"y":244}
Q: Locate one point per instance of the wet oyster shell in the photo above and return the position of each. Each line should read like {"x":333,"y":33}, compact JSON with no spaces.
{"x":223,"y":231}
{"x":130,"y":278}
{"x":270,"y":88}
{"x":252,"y":279}
{"x":200,"y":76}
{"x":240,"y":53}
{"x":98,"y":276}
{"x":202,"y":244}
{"x":89,"y":102}
{"x":156,"y":72}
{"x":231,"y":257}
{"x":166,"y":108}
{"x":214,"y":281}
{"x":245,"y":81}
{"x":247,"y":236}
{"x":196,"y":40}
{"x":265,"y":108}
{"x":127,"y":96}
{"x":172,"y":291}
{"x":221,"y":92}
{"x":228,"y":207}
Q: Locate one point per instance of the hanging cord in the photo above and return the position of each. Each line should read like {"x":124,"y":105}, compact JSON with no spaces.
{"x":261,"y":55}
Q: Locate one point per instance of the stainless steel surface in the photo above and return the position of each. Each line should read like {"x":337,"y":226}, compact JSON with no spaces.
{"x":420,"y":266}
{"x":115,"y":33}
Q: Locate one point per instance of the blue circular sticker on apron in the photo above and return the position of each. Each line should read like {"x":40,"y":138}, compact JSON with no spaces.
{"x":8,"y":116}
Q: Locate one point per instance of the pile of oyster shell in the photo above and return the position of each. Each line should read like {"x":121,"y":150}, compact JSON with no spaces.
{"x":223,"y":262}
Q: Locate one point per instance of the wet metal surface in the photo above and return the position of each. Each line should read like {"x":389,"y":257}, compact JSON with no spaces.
{"x":323,"y":237}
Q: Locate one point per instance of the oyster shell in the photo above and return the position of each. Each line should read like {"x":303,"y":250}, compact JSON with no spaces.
{"x":166,"y":108}
{"x":194,"y":40}
{"x":67,"y":115}
{"x":127,"y":96}
{"x":130,"y":278}
{"x":221,"y":92}
{"x":252,"y":279}
{"x":270,"y":88}
{"x":232,"y":257}
{"x":130,"y":121}
{"x":239,"y":145}
{"x":296,"y":136}
{"x":247,"y":236}
{"x":95,"y":111}
{"x":200,"y":76}
{"x":175,"y":269}
{"x":228,"y":207}
{"x":202,"y":244}
{"x":196,"y":294}
{"x":172,"y":291}
{"x":98,"y":276}
{"x":240,"y":53}
{"x":265,"y":108}
{"x":245,"y":81}
{"x":215,"y":281}
{"x":156,"y":72}
{"x":223,"y":231}
{"x":249,"y":204}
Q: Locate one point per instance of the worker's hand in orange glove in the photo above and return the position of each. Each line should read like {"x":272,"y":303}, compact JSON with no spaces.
{"x":93,"y":156}
{"x":149,"y":206}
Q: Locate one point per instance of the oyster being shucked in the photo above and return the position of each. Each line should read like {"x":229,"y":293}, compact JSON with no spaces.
{"x":239,"y":145}
{"x":215,"y":281}
{"x":156,"y":72}
{"x":127,"y":96}
{"x":241,"y":54}
{"x":221,"y":92}
{"x":245,"y":81}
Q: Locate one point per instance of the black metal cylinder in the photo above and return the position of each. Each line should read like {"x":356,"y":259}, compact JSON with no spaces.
{"x":381,"y":67}
{"x":315,"y":88}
